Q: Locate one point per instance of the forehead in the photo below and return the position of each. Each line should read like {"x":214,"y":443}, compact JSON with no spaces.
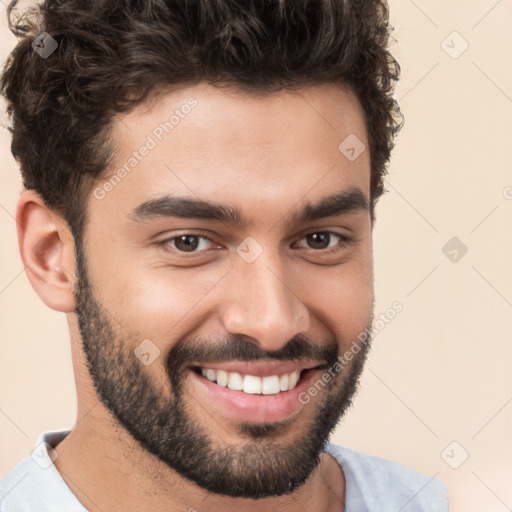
{"x":209,"y":142}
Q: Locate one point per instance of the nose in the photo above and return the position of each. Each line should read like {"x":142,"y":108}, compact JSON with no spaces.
{"x":263,"y":307}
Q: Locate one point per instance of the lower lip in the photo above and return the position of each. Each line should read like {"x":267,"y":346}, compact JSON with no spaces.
{"x":252,"y":407}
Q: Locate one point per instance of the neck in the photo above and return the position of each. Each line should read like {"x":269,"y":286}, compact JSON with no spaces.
{"x":107,"y":469}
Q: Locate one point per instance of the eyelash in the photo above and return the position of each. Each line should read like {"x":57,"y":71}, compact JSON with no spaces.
{"x":344,"y":240}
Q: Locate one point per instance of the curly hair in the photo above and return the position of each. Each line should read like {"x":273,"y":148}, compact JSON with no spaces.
{"x":115,"y":54}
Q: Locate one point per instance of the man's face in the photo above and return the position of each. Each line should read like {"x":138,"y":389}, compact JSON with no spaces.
{"x":179,"y":309}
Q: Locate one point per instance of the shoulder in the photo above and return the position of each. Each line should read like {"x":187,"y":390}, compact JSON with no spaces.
{"x":371,"y":479}
{"x":35,"y":484}
{"x":14,"y":494}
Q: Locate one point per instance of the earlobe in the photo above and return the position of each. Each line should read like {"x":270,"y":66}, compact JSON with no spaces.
{"x":47,"y":249}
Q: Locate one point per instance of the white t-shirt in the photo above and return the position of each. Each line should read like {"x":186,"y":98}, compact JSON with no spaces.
{"x":373,"y":484}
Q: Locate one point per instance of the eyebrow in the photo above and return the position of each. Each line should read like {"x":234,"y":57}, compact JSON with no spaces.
{"x":346,"y":201}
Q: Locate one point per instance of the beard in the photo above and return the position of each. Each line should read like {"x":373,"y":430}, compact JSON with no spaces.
{"x":160,"y":420}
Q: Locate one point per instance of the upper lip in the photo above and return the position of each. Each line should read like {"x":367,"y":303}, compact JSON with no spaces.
{"x":260,"y":368}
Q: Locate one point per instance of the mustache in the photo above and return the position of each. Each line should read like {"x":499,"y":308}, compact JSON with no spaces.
{"x":233,"y":348}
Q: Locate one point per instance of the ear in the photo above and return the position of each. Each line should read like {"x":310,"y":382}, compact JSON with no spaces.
{"x":47,"y":248}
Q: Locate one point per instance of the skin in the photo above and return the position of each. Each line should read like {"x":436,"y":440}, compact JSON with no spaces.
{"x":265,"y":155}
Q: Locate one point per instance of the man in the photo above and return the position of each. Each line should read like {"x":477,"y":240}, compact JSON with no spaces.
{"x":200,"y":190}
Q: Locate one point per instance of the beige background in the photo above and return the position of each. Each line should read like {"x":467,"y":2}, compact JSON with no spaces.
{"x":441,"y":371}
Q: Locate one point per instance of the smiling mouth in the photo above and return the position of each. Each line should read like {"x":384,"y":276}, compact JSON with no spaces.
{"x":252,"y":384}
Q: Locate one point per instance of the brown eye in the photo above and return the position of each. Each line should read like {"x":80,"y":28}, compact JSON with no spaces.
{"x":319,"y":240}
{"x":187,"y":243}
{"x":327,"y":241}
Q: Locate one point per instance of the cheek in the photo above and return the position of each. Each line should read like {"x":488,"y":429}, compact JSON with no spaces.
{"x":159,"y":302}
{"x":343,"y":299}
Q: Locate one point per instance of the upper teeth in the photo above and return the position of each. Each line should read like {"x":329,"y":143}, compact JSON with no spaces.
{"x":270,"y":385}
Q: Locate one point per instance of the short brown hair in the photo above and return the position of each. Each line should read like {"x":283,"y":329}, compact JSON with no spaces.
{"x":114,"y":54}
